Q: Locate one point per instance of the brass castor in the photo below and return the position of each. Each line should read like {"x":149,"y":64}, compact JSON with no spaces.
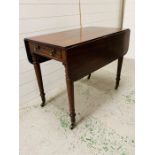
{"x":42,"y":104}
{"x":72,"y":126}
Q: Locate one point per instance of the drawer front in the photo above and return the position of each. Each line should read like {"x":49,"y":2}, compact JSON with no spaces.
{"x":50,"y":52}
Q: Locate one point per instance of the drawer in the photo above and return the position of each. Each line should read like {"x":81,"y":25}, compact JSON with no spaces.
{"x":50,"y":52}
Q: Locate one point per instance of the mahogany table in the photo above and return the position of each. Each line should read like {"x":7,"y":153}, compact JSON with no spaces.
{"x":81,"y":51}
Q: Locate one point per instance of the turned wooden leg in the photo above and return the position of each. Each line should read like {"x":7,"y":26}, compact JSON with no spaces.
{"x":89,"y":76}
{"x":70,"y":90}
{"x":119,"y":68}
{"x":39,"y":79}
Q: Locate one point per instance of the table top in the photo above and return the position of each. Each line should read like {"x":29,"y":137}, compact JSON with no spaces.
{"x":74,"y":36}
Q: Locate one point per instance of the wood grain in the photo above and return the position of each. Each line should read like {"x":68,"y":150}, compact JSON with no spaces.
{"x":81,"y":51}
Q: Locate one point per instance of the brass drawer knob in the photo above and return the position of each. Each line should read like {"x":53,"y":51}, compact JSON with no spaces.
{"x":35,"y":48}
{"x":52,"y":52}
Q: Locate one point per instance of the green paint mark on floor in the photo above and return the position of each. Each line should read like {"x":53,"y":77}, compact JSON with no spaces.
{"x":130,"y":99}
{"x":105,"y":148}
{"x":64,"y":122}
{"x":96,"y":136}
{"x":101,"y":139}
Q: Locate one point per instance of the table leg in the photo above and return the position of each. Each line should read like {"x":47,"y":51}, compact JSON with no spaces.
{"x":119,"y":68}
{"x":39,"y":78}
{"x":89,"y":76}
{"x":70,"y":90}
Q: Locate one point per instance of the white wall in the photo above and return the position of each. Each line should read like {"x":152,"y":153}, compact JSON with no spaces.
{"x":46,"y":16}
{"x":129,"y":22}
